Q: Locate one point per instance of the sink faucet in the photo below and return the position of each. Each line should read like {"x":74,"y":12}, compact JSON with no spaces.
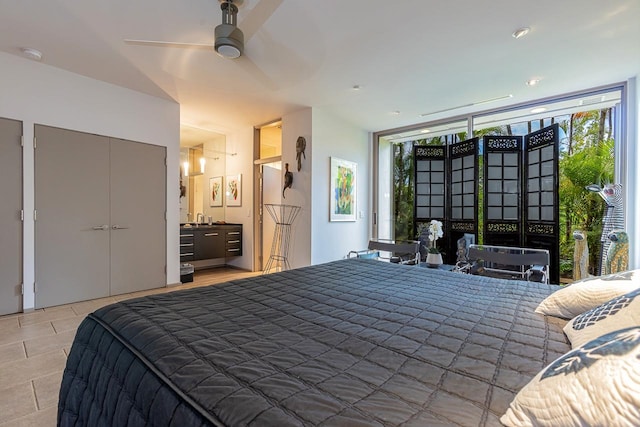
{"x":200,"y":218}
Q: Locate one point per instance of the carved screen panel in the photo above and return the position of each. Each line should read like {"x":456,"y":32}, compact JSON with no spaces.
{"x":503,"y":190}
{"x":541,"y":213}
{"x":463,"y":195}
{"x":430,"y":174}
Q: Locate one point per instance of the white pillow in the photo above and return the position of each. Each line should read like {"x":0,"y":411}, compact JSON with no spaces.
{"x":583,"y":295}
{"x":597,"y":384}
{"x":617,"y":313}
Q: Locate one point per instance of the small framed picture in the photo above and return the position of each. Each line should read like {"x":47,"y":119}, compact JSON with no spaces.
{"x":343,"y":190}
{"x":233,"y":193}
{"x":215,"y":191}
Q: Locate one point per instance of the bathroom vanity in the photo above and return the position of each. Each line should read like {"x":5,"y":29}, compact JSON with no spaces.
{"x":202,"y":241}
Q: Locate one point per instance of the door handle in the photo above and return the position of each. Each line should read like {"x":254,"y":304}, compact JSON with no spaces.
{"x":100,"y":227}
{"x":118,"y":227}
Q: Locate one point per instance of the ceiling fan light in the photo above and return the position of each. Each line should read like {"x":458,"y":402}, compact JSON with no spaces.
{"x":229,"y":41}
{"x":228,"y":51}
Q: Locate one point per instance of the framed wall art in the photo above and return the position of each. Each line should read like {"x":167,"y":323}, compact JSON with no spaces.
{"x":342,"y":203}
{"x":215,"y":191}
{"x":233,"y":193}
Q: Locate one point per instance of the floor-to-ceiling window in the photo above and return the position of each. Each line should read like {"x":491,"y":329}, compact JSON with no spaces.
{"x":590,"y":133}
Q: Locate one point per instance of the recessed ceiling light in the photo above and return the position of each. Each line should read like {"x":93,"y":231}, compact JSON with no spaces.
{"x":521,"y":32}
{"x":356,"y":87}
{"x":533,"y":82}
{"x":538,"y":110}
{"x":31,"y":53}
{"x":425,"y":131}
{"x":395,"y":113}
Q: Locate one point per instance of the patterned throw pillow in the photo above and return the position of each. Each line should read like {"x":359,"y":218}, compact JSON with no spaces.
{"x":597,"y":384}
{"x":583,"y":295}
{"x":617,"y":313}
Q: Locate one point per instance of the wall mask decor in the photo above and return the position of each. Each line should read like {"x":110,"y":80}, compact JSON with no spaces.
{"x":288,"y":179}
{"x":301,"y":145}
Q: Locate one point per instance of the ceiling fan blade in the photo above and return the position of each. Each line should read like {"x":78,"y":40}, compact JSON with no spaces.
{"x":258,"y":16}
{"x":254,"y":71}
{"x":157,"y":43}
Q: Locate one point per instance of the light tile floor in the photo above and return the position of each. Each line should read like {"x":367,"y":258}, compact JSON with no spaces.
{"x":34,"y":348}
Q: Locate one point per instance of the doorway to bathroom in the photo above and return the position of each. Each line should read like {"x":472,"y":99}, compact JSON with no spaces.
{"x":268,"y":184}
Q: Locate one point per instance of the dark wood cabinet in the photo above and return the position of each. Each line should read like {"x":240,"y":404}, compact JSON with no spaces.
{"x":210,"y":241}
{"x":187,"y":247}
{"x":233,"y":241}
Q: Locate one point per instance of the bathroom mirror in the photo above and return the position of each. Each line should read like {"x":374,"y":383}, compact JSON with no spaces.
{"x":202,"y":172}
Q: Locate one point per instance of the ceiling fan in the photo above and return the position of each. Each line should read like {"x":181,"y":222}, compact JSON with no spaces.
{"x":228,"y":38}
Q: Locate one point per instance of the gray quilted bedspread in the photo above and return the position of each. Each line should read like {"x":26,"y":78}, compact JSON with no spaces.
{"x":349,"y":343}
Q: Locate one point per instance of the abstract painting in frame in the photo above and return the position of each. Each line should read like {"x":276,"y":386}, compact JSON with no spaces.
{"x":215,"y":191}
{"x":233,"y":191}
{"x":343,"y":190}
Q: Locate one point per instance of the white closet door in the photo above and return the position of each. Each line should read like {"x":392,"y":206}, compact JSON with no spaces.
{"x":10,"y":223}
{"x":72,"y":226}
{"x":138,"y":225}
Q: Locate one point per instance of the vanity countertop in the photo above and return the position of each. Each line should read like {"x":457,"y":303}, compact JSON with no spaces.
{"x":207,"y":226}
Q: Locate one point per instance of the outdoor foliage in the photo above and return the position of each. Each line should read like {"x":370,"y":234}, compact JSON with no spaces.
{"x":586,"y":158}
{"x":403,"y":191}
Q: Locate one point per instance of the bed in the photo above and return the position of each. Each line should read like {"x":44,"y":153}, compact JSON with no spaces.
{"x":354,"y":342}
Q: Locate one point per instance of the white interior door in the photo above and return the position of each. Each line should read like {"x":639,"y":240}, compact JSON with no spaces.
{"x":271,"y":193}
{"x":138,"y":224}
{"x":72,"y":223}
{"x":10,"y":223}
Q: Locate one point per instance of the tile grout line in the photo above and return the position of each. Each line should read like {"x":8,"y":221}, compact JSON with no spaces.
{"x":35,"y":396}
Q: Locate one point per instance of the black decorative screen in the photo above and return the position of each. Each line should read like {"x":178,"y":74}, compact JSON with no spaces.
{"x":503,"y":201}
{"x":521,"y":203}
{"x":541,"y":213}
{"x":463,"y":202}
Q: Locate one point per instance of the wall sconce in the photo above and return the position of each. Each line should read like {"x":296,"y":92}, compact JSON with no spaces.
{"x":185,"y":166}
{"x":202,"y":163}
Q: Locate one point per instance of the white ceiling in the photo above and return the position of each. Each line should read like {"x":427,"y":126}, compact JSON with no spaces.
{"x":411,"y":56}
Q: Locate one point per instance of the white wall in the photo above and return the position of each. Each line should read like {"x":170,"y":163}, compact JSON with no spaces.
{"x":314,"y":239}
{"x":334,"y":137}
{"x":239,"y":160}
{"x":215,"y":167}
{"x":294,"y":125}
{"x":632,"y":201}
{"x":36,"y":93}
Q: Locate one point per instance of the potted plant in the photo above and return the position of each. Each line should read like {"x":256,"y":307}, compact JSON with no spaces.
{"x":434,"y":257}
